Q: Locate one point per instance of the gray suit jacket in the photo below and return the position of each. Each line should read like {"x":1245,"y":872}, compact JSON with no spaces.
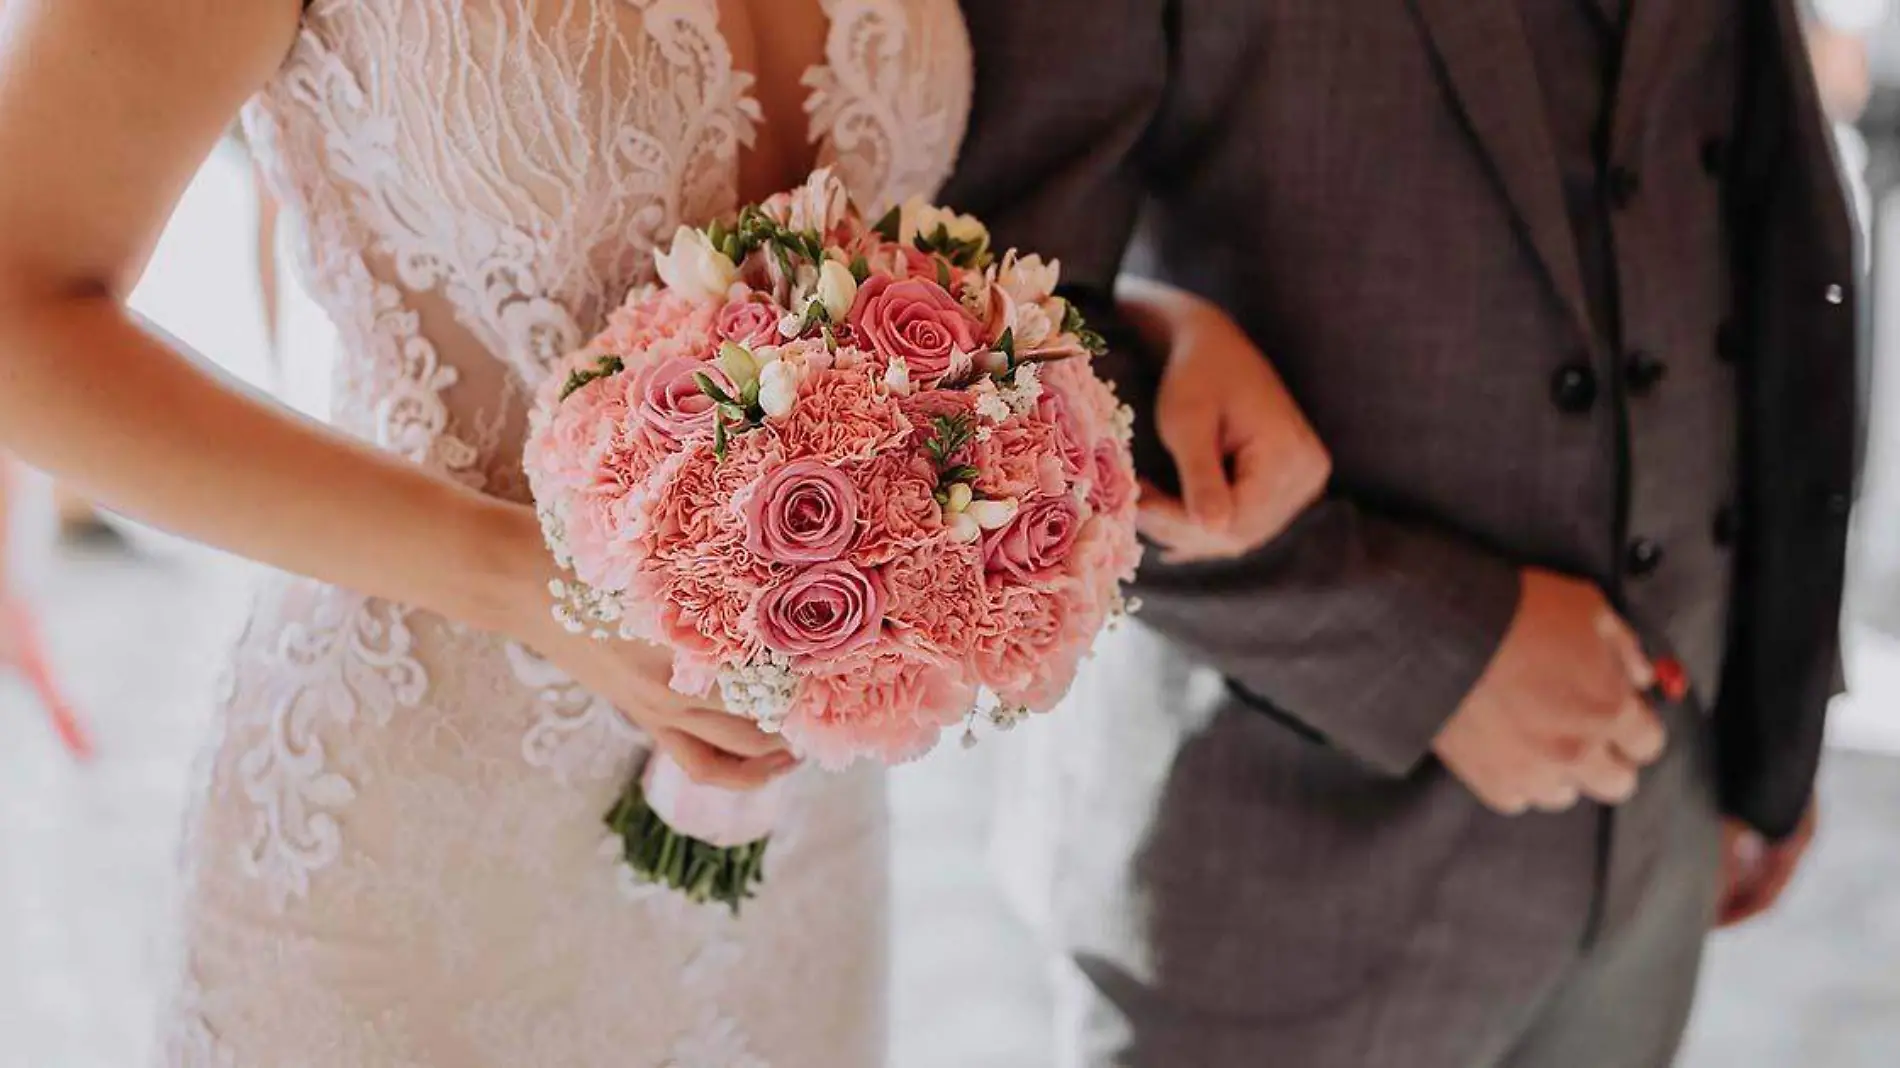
{"x":1366,"y":184}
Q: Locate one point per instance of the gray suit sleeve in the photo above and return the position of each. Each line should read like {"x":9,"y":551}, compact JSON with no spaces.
{"x":1365,"y":629}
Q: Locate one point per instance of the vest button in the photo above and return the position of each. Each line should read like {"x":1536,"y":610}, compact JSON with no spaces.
{"x":1641,"y":372}
{"x":1573,"y":389}
{"x":1643,"y":557}
{"x":1620,"y":185}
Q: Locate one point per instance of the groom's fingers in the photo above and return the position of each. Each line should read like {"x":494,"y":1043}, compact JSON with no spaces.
{"x":1279,"y":472}
{"x":1189,"y":424}
{"x":1165,"y":521}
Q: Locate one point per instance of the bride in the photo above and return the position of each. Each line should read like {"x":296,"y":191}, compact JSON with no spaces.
{"x":395,"y":857}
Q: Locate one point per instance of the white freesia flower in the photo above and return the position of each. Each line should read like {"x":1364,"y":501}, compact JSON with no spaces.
{"x":1028,"y":279}
{"x":917,"y":217}
{"x":836,"y":290}
{"x":693,"y":268}
{"x":961,"y":497}
{"x":739,"y":363}
{"x":897,"y":377}
{"x":778,"y":389}
{"x":1033,"y":327}
{"x":964,"y":528}
{"x":992,"y":515}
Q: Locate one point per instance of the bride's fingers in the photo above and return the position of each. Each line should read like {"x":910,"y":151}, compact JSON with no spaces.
{"x":710,"y":766}
{"x":734,"y":734}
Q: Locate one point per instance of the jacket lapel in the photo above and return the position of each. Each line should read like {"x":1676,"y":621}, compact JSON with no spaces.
{"x":1487,"y":65}
{"x":1646,"y":46}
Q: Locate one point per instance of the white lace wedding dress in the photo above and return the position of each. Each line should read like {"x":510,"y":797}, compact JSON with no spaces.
{"x":397,"y":855}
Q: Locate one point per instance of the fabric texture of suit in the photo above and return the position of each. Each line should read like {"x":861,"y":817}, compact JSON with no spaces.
{"x":1371,"y":188}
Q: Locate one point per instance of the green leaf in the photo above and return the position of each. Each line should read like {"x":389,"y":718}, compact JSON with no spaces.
{"x":1092,"y":341}
{"x":719,"y":437}
{"x":711,"y":389}
{"x":943,"y":272}
{"x":1007,"y":344}
{"x":962,"y":473}
{"x":890,"y":226}
{"x":605,"y":367}
{"x":860,"y":269}
{"x":749,"y":396}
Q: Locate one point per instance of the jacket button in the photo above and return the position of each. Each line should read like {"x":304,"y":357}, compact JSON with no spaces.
{"x":1728,"y":343}
{"x":1835,"y":294}
{"x":1620,"y":186}
{"x":1728,"y":526}
{"x":1573,"y":388}
{"x":1643,"y":557}
{"x":1641,"y":372}
{"x":1714,"y":156}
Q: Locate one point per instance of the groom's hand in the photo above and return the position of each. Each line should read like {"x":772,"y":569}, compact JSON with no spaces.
{"x":1559,"y":712}
{"x":1248,"y":461}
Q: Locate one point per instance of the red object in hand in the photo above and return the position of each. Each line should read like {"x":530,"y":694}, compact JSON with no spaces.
{"x":1672,"y":681}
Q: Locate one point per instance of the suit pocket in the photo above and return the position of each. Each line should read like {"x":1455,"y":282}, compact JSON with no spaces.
{"x":1281,"y":877}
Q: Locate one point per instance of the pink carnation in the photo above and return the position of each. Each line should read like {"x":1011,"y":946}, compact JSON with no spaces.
{"x":938,"y":600}
{"x":898,"y":508}
{"x":1020,"y":458}
{"x":566,"y":450}
{"x":842,"y":414}
{"x":1035,"y":638}
{"x":1090,"y":400}
{"x":648,"y":319}
{"x":889,"y":708}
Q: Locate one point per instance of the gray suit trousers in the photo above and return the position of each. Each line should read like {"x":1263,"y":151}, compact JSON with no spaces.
{"x":1218,"y":891}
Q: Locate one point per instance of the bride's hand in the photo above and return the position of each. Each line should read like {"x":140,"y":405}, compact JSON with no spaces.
{"x":1249,"y":462}
{"x":711,"y":745}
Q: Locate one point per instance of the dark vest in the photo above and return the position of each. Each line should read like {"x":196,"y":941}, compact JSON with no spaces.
{"x":1653,"y":254}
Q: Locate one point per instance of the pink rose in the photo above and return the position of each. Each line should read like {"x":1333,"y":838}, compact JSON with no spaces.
{"x":917,"y":321}
{"x":825,"y":610}
{"x":1054,"y":407}
{"x":1035,"y":545}
{"x":748,"y":322}
{"x":1111,"y":479}
{"x":804,"y":512}
{"x":671,"y":401}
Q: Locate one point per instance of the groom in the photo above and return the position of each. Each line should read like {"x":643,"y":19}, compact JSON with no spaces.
{"x":1565,"y":286}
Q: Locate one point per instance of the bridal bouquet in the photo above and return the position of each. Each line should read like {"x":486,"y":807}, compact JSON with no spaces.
{"x":857,"y":475}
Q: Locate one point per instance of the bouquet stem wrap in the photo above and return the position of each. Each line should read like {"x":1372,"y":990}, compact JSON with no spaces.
{"x":706,"y":842}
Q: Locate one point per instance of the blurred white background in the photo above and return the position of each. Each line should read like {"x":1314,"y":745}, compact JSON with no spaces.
{"x":86,"y":853}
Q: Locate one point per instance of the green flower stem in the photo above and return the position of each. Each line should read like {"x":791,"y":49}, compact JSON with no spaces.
{"x":702,"y":871}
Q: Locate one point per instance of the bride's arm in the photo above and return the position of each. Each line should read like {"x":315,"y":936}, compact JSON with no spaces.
{"x":1248,"y":461}
{"x":107,"y":108}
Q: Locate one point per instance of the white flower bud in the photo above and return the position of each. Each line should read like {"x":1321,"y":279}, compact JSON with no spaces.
{"x":739,"y":364}
{"x":960,"y":496}
{"x":836,"y":290}
{"x":778,"y":389}
{"x":695,"y":269}
{"x":963,"y":528}
{"x":992,"y":362}
{"x":993,"y":515}
{"x":897,"y":377}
